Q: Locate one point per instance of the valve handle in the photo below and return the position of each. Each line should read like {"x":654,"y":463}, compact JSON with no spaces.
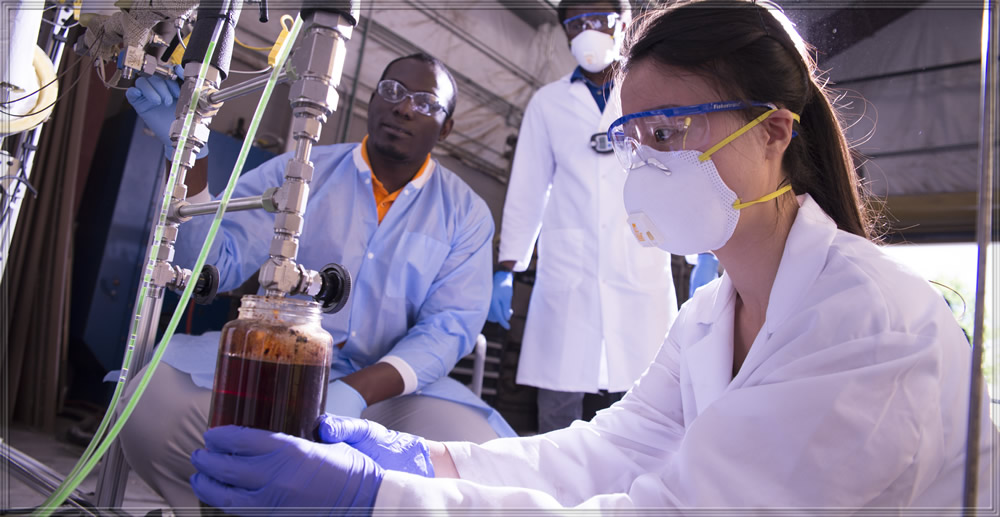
{"x":207,"y":285}
{"x":336,"y":288}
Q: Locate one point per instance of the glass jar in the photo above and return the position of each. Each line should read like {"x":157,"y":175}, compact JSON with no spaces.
{"x":273,"y":367}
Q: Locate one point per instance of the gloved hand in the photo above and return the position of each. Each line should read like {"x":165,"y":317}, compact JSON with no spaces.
{"x":390,"y":449}
{"x":503,"y":290}
{"x":706,"y":270}
{"x":245,"y":467}
{"x":155,"y":101}
{"x":343,"y":400}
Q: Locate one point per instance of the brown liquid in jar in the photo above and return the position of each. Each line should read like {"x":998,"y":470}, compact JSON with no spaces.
{"x":271,"y":375}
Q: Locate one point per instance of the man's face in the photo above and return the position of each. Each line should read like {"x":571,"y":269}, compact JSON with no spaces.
{"x":396,"y":130}
{"x":573,"y":28}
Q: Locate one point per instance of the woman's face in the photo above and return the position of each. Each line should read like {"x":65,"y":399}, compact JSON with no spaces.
{"x":650,"y":85}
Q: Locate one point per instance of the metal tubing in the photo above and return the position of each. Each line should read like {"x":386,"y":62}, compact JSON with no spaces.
{"x":318,"y":61}
{"x":303,"y":149}
{"x":38,"y":476}
{"x":987,"y":163}
{"x":235,"y":205}
{"x":244,"y":88}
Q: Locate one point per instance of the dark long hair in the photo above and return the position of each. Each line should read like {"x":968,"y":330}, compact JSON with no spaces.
{"x":743,"y":49}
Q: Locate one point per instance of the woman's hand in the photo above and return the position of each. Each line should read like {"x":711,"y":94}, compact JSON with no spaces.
{"x":241,"y":467}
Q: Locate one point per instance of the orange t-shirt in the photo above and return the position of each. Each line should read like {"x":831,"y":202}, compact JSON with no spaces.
{"x":384,"y":198}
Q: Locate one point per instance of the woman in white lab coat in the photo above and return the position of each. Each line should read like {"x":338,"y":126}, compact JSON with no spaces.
{"x":815,"y":373}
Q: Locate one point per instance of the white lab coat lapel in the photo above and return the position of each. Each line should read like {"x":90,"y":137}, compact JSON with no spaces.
{"x":809,"y":239}
{"x":709,"y":360}
{"x":801,"y":263}
{"x":582,"y":94}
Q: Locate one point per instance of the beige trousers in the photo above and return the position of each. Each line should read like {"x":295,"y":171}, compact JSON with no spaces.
{"x":167,"y":426}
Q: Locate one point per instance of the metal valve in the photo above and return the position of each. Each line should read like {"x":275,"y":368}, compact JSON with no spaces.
{"x":336,"y":288}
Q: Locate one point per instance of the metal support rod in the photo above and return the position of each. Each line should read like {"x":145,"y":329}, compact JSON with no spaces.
{"x":912,"y":71}
{"x":235,"y":205}
{"x":987,"y":163}
{"x":245,"y":87}
{"x":113,"y":478}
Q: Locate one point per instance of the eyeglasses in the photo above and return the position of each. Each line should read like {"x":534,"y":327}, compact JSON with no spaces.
{"x":672,"y":129}
{"x":422,"y":102}
{"x":590,"y":21}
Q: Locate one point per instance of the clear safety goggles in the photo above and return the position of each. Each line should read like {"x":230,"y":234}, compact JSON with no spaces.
{"x":422,"y":102}
{"x":683,"y":128}
{"x":590,"y":21}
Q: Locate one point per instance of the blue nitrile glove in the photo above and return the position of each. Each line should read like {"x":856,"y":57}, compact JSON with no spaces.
{"x":503,"y":290}
{"x":242,"y":467}
{"x":390,"y":449}
{"x":343,"y":400}
{"x":704,"y":272}
{"x":155,"y":101}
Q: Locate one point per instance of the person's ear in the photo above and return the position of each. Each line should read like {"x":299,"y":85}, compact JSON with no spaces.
{"x":779,"y":128}
{"x":446,"y":129}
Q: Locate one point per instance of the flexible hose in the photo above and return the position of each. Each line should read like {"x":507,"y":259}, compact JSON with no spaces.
{"x":44,"y":101}
{"x":94,"y":452}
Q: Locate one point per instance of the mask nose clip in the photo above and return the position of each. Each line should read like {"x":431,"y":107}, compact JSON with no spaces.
{"x":658,"y":164}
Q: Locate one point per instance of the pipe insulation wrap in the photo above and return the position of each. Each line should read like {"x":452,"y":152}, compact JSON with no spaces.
{"x":208,"y":14}
{"x":351,"y":9}
{"x":18,"y":36}
{"x":106,"y":35}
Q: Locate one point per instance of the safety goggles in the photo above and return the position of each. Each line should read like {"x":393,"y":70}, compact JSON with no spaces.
{"x":674,"y":129}
{"x":590,"y":21}
{"x":422,"y":102}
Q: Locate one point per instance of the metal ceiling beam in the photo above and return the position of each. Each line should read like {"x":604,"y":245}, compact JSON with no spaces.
{"x":534,"y":12}
{"x":924,"y":218}
{"x":473,"y":42}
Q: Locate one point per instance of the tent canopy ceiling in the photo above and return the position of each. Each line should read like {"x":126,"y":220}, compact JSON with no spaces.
{"x":907,"y":75}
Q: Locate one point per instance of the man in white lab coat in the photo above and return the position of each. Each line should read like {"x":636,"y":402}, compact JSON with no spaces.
{"x":601,"y":304}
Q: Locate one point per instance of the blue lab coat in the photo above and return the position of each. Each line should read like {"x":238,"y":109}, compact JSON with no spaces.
{"x":421,"y":278}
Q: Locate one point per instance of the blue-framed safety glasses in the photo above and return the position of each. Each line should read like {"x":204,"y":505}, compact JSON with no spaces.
{"x":590,"y":21}
{"x":682,"y":128}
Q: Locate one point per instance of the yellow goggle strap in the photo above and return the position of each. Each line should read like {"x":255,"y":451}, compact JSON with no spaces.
{"x":708,"y":154}
{"x":740,"y":205}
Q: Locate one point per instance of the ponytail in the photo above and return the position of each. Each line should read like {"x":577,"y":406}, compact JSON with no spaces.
{"x":821,"y":164}
{"x":751,"y":51}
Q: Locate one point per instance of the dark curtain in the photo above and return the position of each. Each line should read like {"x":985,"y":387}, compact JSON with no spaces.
{"x":34,"y":297}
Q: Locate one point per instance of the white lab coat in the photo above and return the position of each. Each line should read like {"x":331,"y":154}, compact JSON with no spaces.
{"x":593,"y":280}
{"x":854,"y":394}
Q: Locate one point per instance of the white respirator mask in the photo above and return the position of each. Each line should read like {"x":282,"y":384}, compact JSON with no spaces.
{"x":675,"y":199}
{"x":594,"y":50}
{"x":686,"y":209}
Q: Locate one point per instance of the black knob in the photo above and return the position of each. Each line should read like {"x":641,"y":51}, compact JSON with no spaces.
{"x":207,"y":285}
{"x":336,"y":288}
